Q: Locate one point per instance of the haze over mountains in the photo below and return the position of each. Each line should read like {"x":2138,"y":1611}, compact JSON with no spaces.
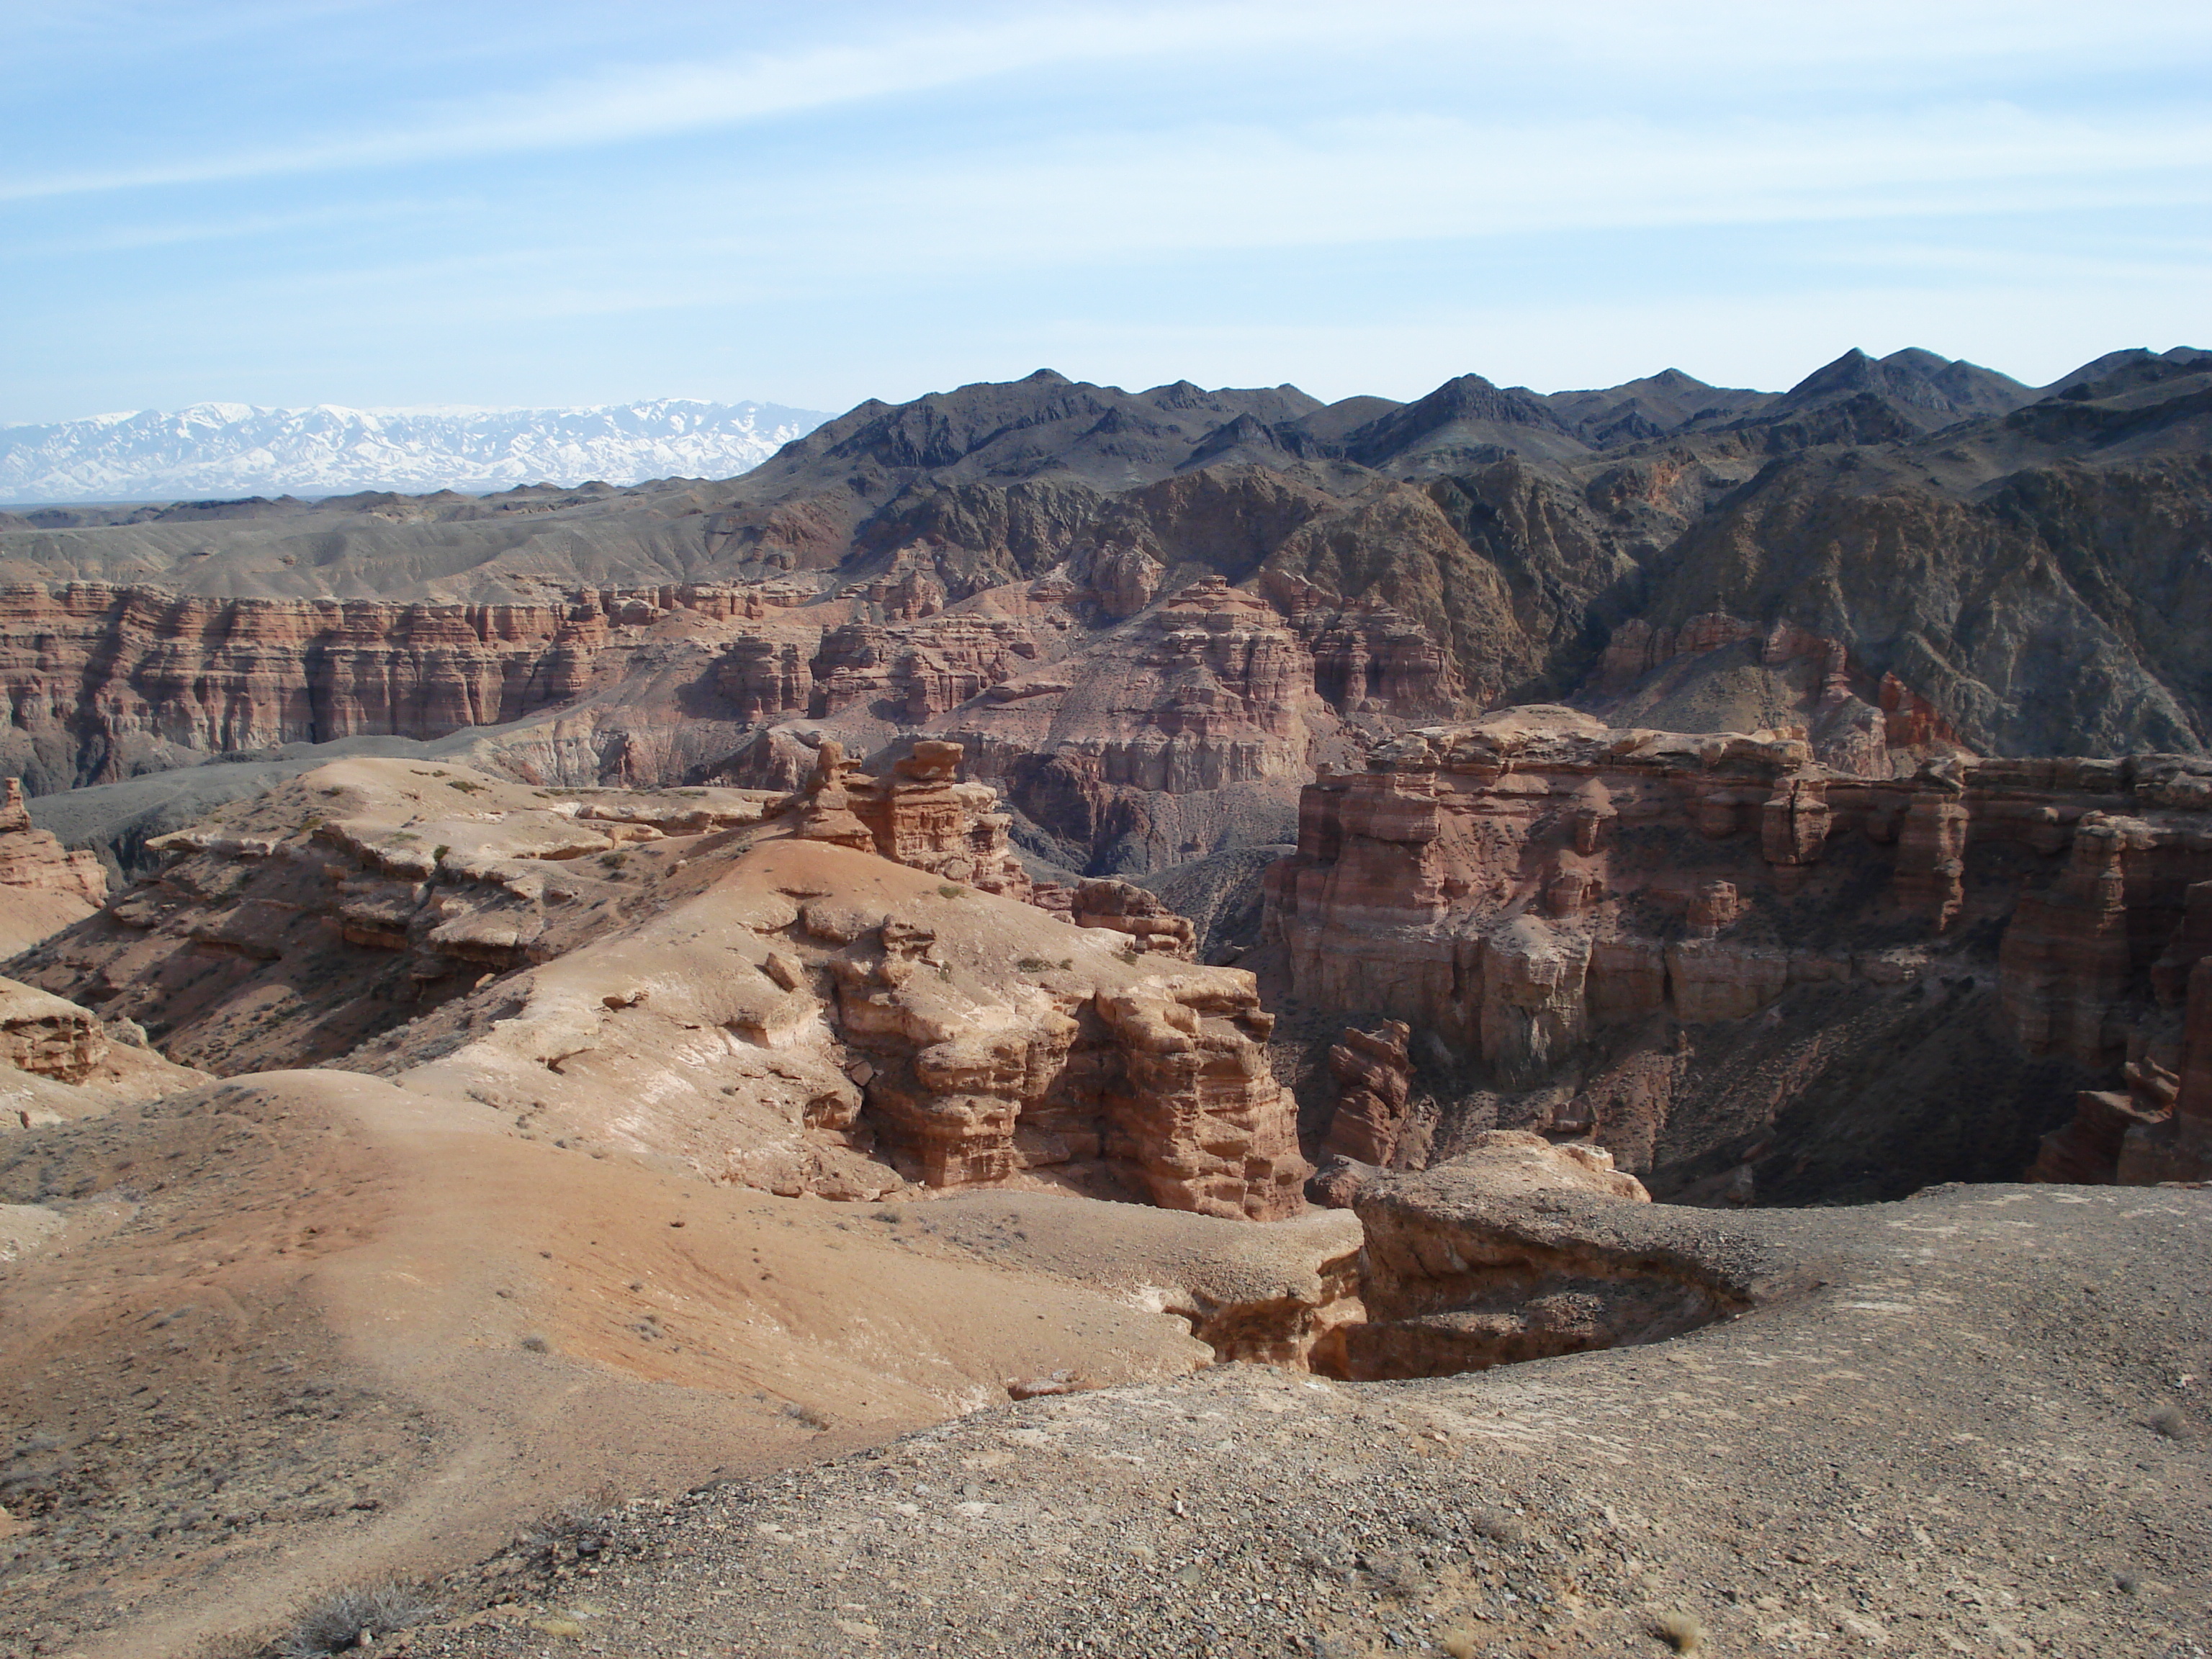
{"x":235,"y":449}
{"x":2028,"y":563}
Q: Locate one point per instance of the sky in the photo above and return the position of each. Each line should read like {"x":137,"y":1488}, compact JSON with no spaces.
{"x":407,"y":203}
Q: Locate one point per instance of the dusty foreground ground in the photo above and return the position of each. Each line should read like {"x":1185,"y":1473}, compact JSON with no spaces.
{"x":1978,"y":1430}
{"x":309,"y":1329}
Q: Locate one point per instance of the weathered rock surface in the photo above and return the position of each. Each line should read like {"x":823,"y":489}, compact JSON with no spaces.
{"x":1762,"y":1481}
{"x":43,"y":887}
{"x":1151,"y":614}
{"x":1563,"y":903}
{"x":59,"y":1063}
{"x":1374,"y":1077}
{"x":2158,"y":1126}
{"x":1487,"y":1260}
{"x":801,"y":1015}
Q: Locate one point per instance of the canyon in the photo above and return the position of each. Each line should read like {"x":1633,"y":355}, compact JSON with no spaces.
{"x":1533,"y":943}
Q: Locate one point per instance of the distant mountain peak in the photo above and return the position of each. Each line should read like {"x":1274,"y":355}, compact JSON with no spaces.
{"x":1913,"y":379}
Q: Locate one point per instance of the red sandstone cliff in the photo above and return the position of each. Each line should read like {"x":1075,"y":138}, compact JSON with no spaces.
{"x":839,"y":994}
{"x":1526,"y":887}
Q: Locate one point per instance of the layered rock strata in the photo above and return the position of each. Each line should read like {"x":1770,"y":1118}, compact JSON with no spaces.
{"x":1531,"y":886}
{"x":703,"y":975}
{"x":34,"y":861}
{"x":923,"y":816}
{"x":1143,"y":916}
{"x":2158,"y":1126}
{"x":1374,"y":1078}
{"x":1098,"y":722}
{"x":59,"y":1063}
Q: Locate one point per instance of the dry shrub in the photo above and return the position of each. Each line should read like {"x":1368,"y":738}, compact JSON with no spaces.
{"x":336,"y":1624}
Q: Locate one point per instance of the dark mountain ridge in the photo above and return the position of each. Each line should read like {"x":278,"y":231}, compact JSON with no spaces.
{"x":2033,"y":564}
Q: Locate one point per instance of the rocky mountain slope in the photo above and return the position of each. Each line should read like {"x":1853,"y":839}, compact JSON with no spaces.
{"x":235,"y":449}
{"x":2018,"y":568}
{"x":674,"y":1015}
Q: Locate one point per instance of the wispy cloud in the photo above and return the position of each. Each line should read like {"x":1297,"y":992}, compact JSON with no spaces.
{"x":862,"y":195}
{"x":1684,"y":48}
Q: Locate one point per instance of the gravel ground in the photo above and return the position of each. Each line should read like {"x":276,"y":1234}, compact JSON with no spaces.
{"x":1982,"y":1432}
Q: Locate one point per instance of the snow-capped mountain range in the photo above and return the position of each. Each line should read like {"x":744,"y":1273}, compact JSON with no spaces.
{"x":237,"y":449}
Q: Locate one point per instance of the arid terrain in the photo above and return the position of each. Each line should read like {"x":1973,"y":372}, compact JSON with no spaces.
{"x":1185,"y":1021}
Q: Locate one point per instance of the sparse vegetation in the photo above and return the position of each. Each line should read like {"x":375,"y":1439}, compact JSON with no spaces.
{"x":438,"y":854}
{"x":467,"y":788}
{"x":1034,"y":965}
{"x":536,"y":1343}
{"x":339,"y":1623}
{"x":807,"y":1414}
{"x":948,"y":890}
{"x":1683,"y":1632}
{"x":614,"y":860}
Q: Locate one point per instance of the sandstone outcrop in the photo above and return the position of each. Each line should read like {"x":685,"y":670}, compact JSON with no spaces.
{"x":1489,"y":1259}
{"x":1374,"y":1078}
{"x":60,"y":1062}
{"x":889,"y":1029}
{"x":698,"y":975}
{"x":1128,"y":909}
{"x":45,"y":1035}
{"x":2158,"y":1126}
{"x":1536,"y":888}
{"x":43,"y":887}
{"x":923,"y":816}
{"x":31,"y":859}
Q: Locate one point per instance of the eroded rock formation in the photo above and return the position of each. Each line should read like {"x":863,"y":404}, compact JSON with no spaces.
{"x":714,"y":975}
{"x":1374,"y":1079}
{"x":1538,"y":890}
{"x":34,"y":861}
{"x":922,"y":816}
{"x":1492,"y":1258}
{"x":2156,"y":1127}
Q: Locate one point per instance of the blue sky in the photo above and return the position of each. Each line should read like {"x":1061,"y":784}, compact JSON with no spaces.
{"x":393,"y":202}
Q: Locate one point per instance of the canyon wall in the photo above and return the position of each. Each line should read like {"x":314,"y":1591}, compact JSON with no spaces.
{"x":1188,"y":727}
{"x":1559,"y":906}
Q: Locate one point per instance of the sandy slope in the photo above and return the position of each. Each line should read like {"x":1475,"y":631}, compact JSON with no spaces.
{"x":307,"y":1326}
